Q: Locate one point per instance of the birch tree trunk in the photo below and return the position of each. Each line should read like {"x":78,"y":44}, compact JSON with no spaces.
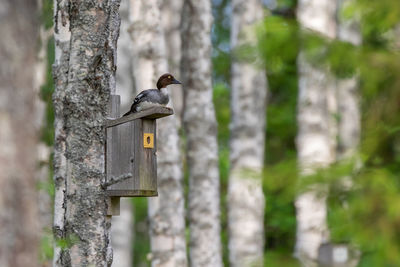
{"x":125,"y":78}
{"x":122,"y":235}
{"x":317,"y":130}
{"x":201,"y":129}
{"x":122,"y":229}
{"x":166,"y":212}
{"x":171,"y":20}
{"x":347,"y":94}
{"x":84,"y":73}
{"x":248,"y":102}
{"x":19,"y":135}
{"x":349,"y":123}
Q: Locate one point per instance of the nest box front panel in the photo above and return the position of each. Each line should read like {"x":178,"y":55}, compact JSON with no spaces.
{"x":131,"y":159}
{"x":147,"y":169}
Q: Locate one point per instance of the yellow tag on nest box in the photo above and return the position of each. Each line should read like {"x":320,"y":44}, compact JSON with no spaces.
{"x":148,"y":140}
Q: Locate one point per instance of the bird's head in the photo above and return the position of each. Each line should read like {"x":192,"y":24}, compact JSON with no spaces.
{"x":166,"y":79}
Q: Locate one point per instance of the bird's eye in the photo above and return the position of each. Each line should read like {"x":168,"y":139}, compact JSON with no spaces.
{"x":169,"y":77}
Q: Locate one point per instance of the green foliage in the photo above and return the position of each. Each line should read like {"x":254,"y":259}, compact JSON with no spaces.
{"x":377,"y":18}
{"x":46,"y":93}
{"x":67,"y":242}
{"x":46,"y":246}
{"x":47,"y":13}
{"x":373,"y":209}
{"x":220,"y":37}
{"x":221,"y":60}
{"x":280,"y":184}
{"x":368,"y":210}
{"x":280,"y":258}
{"x":364,"y":206}
{"x":278,"y":45}
{"x":224,"y":174}
{"x":221,"y":98}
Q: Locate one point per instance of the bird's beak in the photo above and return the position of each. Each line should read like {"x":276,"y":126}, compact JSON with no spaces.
{"x":175,"y":81}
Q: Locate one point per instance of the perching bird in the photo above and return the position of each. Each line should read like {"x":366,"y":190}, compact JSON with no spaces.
{"x":153,"y":97}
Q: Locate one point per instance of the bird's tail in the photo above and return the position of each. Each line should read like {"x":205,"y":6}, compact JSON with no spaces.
{"x":126,"y":114}
{"x":132,"y":110}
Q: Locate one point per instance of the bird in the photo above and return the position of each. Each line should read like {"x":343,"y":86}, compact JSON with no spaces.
{"x":153,"y":97}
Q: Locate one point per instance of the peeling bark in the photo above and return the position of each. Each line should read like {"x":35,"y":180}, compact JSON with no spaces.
{"x":19,"y":133}
{"x":84,"y":73}
{"x":201,"y":129}
{"x":166,"y":212}
{"x":317,"y":130}
{"x":248,"y":102}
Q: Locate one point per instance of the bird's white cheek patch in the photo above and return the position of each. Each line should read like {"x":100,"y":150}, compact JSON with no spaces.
{"x":164,"y":91}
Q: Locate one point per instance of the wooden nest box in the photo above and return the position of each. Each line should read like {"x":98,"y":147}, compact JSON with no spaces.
{"x":131,"y":159}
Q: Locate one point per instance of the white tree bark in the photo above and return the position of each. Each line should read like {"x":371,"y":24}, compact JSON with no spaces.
{"x":316,"y":149}
{"x":122,"y":235}
{"x":84,"y":73}
{"x":122,"y":229}
{"x":171,"y":20}
{"x":148,"y":44}
{"x":347,"y":94}
{"x":166,"y":212}
{"x":19,"y":134}
{"x":125,"y":79}
{"x":318,"y":15}
{"x":349,"y":124}
{"x":248,"y":102}
{"x":201,"y":129}
{"x":317,"y":130}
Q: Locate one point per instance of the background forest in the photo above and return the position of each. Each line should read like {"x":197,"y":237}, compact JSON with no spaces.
{"x":308,"y":177}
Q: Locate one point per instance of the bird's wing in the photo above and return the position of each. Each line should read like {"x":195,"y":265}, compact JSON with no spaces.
{"x":140,"y":96}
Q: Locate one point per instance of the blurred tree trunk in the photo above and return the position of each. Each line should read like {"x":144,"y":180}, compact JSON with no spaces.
{"x":347,"y":93}
{"x":122,"y":229}
{"x":248,"y":102}
{"x":201,"y":129}
{"x":125,"y":78}
{"x":19,"y":135}
{"x":317,"y":130}
{"x":84,"y":73}
{"x":171,"y":20}
{"x":166,"y":212}
{"x":122,"y":235}
{"x":349,"y":124}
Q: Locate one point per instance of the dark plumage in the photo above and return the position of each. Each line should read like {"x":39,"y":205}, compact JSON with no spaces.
{"x":153,"y":97}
